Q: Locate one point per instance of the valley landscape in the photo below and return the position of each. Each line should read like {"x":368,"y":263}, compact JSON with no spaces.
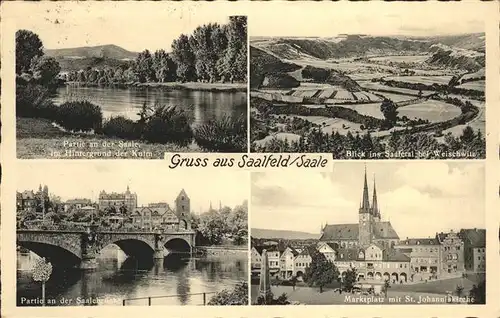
{"x":369,"y":97}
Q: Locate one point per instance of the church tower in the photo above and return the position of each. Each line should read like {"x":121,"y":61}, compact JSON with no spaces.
{"x":375,"y":209}
{"x":182,"y":205}
{"x":365,"y":218}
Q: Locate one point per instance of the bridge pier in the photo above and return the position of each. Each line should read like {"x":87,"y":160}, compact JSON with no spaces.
{"x":88,"y":263}
{"x":159,"y":254}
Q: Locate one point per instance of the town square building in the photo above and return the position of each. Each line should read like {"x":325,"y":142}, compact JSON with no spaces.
{"x":373,"y":247}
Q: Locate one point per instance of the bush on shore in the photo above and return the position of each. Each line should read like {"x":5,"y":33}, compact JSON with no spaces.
{"x":158,"y":124}
{"x":34,"y":101}
{"x":80,"y":116}
{"x":121,"y":127}
{"x":168,"y":124}
{"x":223,"y":135}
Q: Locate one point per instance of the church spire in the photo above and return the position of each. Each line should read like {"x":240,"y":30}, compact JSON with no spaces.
{"x":365,"y":204}
{"x":375,"y":211}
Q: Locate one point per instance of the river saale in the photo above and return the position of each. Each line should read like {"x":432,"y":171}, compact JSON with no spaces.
{"x":119,"y":278}
{"x":200,"y":106}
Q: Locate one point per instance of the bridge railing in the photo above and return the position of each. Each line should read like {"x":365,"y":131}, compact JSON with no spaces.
{"x":203,"y":298}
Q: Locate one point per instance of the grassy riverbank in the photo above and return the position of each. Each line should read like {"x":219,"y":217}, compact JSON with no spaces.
{"x":38,"y":138}
{"x":199,"y":86}
{"x":189,"y":86}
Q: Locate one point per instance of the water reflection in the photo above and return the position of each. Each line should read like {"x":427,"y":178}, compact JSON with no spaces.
{"x":114,"y":280}
{"x":200,"y":106}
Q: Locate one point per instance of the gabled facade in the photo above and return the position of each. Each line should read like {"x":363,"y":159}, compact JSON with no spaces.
{"x":287,"y":262}
{"x":327,"y":249}
{"x":302,"y":262}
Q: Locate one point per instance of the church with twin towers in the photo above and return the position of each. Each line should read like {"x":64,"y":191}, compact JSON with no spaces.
{"x":369,"y":229}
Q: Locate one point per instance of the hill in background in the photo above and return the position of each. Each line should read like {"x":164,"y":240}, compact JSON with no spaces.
{"x":287,"y":235}
{"x":110,"y":51}
{"x":74,"y":59}
{"x":361,"y":45}
{"x":455,"y":51}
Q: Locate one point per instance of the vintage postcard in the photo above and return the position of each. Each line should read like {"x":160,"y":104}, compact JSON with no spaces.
{"x":250,"y":159}
{"x":141,"y":88}
{"x":359,"y":92}
{"x":377,"y":233}
{"x":131,"y":239}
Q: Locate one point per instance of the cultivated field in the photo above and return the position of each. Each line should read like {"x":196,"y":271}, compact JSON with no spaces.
{"x":396,"y":97}
{"x":427,"y":80}
{"x":401,"y":58}
{"x":363,"y":76}
{"x":476,"y":85}
{"x":432,"y":110}
{"x":384,"y":88}
{"x":333,"y":124}
{"x":478,"y":74}
{"x":372,"y":109}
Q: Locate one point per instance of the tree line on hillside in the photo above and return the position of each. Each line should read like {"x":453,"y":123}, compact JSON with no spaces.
{"x":450,"y":88}
{"x":212,"y":53}
{"x":470,"y":143}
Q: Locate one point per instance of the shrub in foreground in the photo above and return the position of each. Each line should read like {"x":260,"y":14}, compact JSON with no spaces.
{"x":237,"y":296}
{"x":168,"y":124}
{"x":80,"y":116}
{"x":34,"y":101}
{"x":271,"y":300}
{"x":121,"y":127}
{"x":223,"y":135}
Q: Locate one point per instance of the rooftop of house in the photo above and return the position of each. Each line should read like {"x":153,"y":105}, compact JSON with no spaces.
{"x":420,"y":241}
{"x":381,"y":230}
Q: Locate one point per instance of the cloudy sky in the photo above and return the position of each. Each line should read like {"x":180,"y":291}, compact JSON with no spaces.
{"x":374,"y":18}
{"x":419,"y":198}
{"x":151,"y":180}
{"x":133,"y":26}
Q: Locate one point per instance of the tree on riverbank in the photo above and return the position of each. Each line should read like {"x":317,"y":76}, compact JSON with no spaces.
{"x":28,"y":47}
{"x":32,"y":65}
{"x":212,"y":53}
{"x":225,"y":223}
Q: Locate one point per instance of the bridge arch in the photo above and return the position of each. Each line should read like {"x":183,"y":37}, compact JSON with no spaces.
{"x":133,"y":246}
{"x":178,"y":245}
{"x":61,"y":249}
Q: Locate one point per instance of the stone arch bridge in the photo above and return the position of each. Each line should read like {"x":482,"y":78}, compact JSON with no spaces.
{"x":80,"y":248}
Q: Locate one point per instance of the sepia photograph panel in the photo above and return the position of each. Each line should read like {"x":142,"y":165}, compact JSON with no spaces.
{"x":375,"y":233}
{"x":399,"y":85}
{"x":131,"y":239}
{"x":142,"y":87}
